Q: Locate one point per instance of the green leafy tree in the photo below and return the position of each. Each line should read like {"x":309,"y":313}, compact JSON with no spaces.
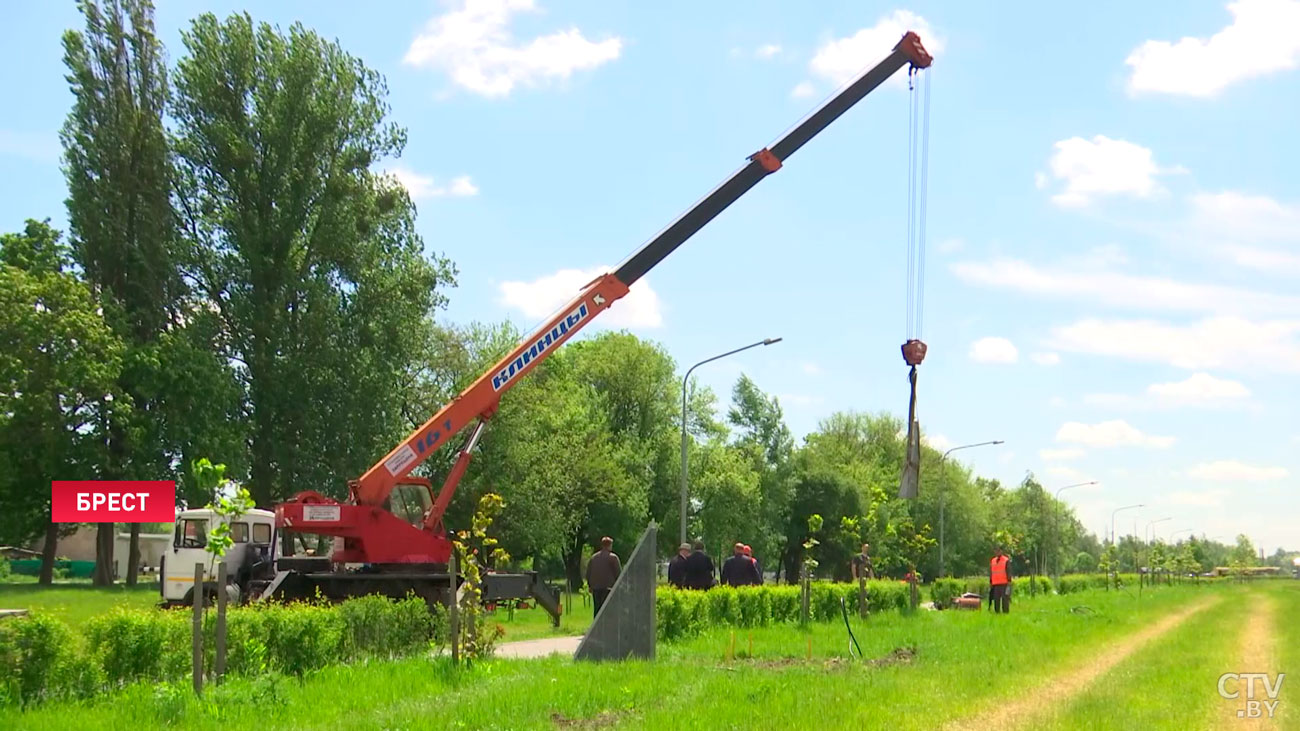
{"x":764,"y":438}
{"x":59,"y":369}
{"x":1084,"y":563}
{"x":1243,"y":555}
{"x":309,"y":257}
{"x":120,"y":220}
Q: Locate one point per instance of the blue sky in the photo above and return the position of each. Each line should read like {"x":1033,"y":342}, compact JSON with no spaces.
{"x":1114,"y":216}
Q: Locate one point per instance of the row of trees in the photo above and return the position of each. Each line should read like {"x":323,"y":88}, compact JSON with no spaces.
{"x":239,"y":282}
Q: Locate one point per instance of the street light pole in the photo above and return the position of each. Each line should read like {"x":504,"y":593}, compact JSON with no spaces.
{"x":1056,"y":527}
{"x":943,"y":491}
{"x":765,"y":341}
{"x":1113,"y":542}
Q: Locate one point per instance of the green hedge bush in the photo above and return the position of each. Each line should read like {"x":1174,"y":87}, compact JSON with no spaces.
{"x":42,"y":658}
{"x":685,"y":613}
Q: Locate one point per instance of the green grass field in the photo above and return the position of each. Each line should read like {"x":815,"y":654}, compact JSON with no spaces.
{"x":75,"y":601}
{"x":923,"y":671}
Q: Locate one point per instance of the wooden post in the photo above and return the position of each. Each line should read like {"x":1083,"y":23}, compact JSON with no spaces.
{"x":220,"y":669}
{"x":804,"y":590}
{"x":453,"y":611}
{"x":198,"y":628}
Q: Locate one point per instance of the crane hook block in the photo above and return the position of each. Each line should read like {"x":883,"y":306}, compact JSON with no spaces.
{"x":765,"y":158}
{"x":914,"y":352}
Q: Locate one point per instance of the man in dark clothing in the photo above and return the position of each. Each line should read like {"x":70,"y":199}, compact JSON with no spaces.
{"x":677,"y":566}
{"x":861,"y":565}
{"x":698,"y":568}
{"x":739,"y":569}
{"x":602,"y":572}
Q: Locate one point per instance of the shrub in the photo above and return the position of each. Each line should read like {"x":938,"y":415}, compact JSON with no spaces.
{"x":687,"y":613}
{"x":943,"y":591}
{"x":39,"y":660}
{"x":41,"y":657}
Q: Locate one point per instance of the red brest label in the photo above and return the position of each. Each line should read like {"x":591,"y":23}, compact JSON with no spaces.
{"x":113,"y":501}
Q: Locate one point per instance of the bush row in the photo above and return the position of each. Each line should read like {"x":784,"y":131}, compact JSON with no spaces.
{"x":942,"y":591}
{"x":42,"y":658}
{"x":685,"y":613}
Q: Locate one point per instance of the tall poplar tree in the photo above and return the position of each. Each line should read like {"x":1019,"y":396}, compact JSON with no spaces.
{"x":120,"y":219}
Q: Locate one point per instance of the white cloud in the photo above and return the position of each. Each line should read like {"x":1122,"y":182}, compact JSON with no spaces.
{"x":1056,"y":401}
{"x":841,"y":60}
{"x":1218,"y":342}
{"x":1006,"y":457}
{"x":1116,"y":433}
{"x":1053,"y":455}
{"x":421,"y":187}
{"x":1264,"y":260}
{"x":993,"y":350}
{"x":1234,"y":471}
{"x":768,"y":51}
{"x":1234,"y":214}
{"x":938,"y":441}
{"x":541,"y":298}
{"x":1199,"y":388}
{"x":803,"y":90}
{"x":1122,"y":290}
{"x":1046,"y":359}
{"x":1261,"y":39}
{"x":1101,"y":166}
{"x":1200,"y":499}
{"x":35,"y":146}
{"x":810,"y":368}
{"x":473,"y":45}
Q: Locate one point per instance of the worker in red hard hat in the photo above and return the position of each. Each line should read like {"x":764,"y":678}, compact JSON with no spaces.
{"x":758,"y":570}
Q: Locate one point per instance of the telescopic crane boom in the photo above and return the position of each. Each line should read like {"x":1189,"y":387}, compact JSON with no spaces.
{"x":371,"y":533}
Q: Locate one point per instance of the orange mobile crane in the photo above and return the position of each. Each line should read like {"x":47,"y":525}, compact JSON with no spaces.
{"x":391,"y":526}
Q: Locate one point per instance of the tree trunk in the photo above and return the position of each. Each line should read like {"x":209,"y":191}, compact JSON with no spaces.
{"x":573,"y":564}
{"x":133,"y":556}
{"x":48,"y":553}
{"x":104,"y":555}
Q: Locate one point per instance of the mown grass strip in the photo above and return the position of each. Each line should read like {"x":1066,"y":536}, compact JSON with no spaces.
{"x":1170,"y":684}
{"x":1286,"y":594}
{"x":962,"y":661}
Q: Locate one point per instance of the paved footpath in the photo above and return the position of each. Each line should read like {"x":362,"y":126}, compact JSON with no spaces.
{"x":539,"y":648}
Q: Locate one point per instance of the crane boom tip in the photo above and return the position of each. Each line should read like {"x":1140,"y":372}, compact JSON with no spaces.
{"x":911,"y":46}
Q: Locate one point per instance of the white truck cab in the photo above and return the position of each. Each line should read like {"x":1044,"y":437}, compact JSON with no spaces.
{"x":251,"y":555}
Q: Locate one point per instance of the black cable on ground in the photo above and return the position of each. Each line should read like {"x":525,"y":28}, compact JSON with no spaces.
{"x":853,"y":641}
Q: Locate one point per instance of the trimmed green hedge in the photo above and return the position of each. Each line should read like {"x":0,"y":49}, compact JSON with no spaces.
{"x":686,"y":613}
{"x":43,"y":658}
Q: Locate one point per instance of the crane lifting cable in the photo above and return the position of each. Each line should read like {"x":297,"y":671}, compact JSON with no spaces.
{"x":914,"y":348}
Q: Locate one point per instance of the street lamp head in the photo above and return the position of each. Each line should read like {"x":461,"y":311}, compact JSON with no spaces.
{"x":772,"y":341}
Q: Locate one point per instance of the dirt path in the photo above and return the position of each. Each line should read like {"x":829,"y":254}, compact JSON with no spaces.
{"x":1019,"y":709}
{"x":1255,"y":656}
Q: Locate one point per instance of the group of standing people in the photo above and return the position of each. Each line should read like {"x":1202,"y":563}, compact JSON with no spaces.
{"x":692,"y":568}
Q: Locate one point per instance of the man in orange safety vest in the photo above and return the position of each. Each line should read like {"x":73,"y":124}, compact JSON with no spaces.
{"x":1000,"y":582}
